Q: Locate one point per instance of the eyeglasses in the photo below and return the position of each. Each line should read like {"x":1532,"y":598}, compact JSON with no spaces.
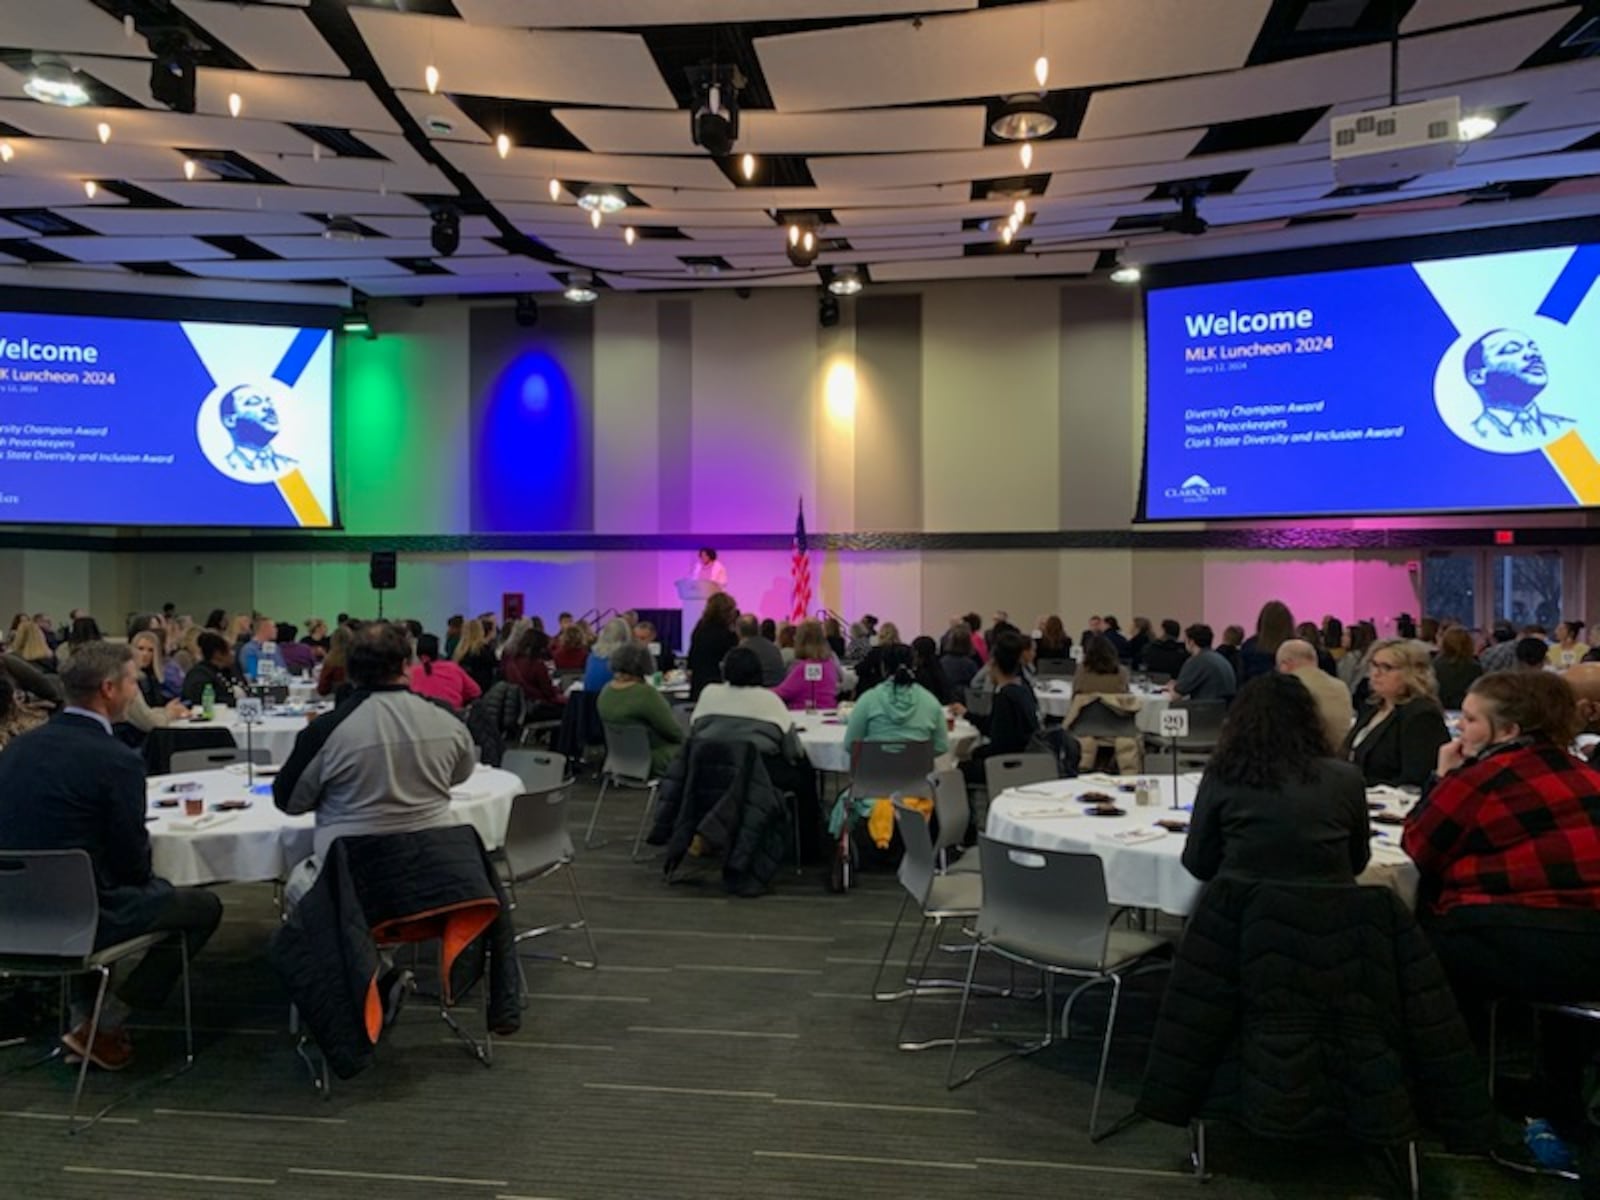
{"x":1382,"y":668}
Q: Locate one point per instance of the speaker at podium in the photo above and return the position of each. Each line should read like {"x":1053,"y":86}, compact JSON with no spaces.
{"x":695,"y":592}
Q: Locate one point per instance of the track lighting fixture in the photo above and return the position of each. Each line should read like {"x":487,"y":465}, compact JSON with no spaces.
{"x":341,"y":228}
{"x":446,"y":231}
{"x":803,"y":242}
{"x":172,"y":71}
{"x":827,"y":311}
{"x":714,"y":116}
{"x":1022,"y":118}
{"x":847,"y":281}
{"x":602,"y":199}
{"x":581,"y":288}
{"x":54,"y":82}
{"x":526,"y":311}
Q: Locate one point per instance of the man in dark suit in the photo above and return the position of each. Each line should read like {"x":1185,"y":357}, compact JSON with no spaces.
{"x":72,"y":785}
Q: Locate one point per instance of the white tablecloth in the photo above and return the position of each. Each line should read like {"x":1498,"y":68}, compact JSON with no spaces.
{"x":260,"y":843}
{"x":822,"y":736}
{"x":1055,"y":700}
{"x":1150,"y":873}
{"x":274,"y":732}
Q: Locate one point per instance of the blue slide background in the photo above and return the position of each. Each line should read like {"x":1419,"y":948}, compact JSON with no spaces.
{"x":161,"y":383}
{"x":1390,"y":334}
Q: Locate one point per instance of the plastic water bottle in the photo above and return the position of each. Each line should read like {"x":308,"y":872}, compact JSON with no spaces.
{"x":208,"y":702}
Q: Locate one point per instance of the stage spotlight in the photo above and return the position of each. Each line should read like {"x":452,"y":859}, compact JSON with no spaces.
{"x":580,"y":288}
{"x":847,"y":281}
{"x":602,"y":199}
{"x":172,"y":72}
{"x":827,"y":311}
{"x":714,"y":118}
{"x":803,"y":242}
{"x":446,"y":231}
{"x":1022,"y":118}
{"x":1125,"y":273}
{"x":341,"y":228}
{"x":357,"y":323}
{"x":527,"y":312}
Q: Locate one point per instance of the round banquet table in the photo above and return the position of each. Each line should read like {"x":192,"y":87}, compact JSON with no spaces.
{"x":1143,"y":862}
{"x":1055,"y":700}
{"x":275,"y":732}
{"x":261,"y":844}
{"x":822,"y":736}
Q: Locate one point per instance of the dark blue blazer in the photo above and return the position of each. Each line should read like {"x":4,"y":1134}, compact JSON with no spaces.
{"x":70,"y":785}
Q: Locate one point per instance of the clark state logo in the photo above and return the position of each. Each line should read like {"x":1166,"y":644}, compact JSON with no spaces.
{"x":1196,"y":489}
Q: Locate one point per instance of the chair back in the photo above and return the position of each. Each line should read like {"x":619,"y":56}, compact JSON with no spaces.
{"x":951,"y":806}
{"x":1018,"y":770}
{"x":565,"y":677}
{"x":917,"y":864}
{"x":1096,"y":720}
{"x":539,"y":770}
{"x":1205,"y":721}
{"x":627,"y":753}
{"x":892,"y":768}
{"x":50,"y":903}
{"x":979,"y":703}
{"x":1054,"y":668}
{"x":536,"y":831}
{"x":217,"y":756}
{"x":1050,"y":901}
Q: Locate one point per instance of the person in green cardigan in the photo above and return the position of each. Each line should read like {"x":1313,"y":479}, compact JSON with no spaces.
{"x":630,"y":700}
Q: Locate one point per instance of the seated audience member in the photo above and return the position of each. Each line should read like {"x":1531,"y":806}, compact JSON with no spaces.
{"x":773,"y":668}
{"x":216,"y":668}
{"x":711,"y":640}
{"x":960,"y":664}
{"x":1333,"y":638}
{"x":1099,"y":672}
{"x":1311,"y":635}
{"x":870,"y":670}
{"x":1501,"y":652}
{"x":452,"y":634}
{"x":474,"y":654}
{"x":1508,"y":847}
{"x":384,"y":760}
{"x":1274,"y":803}
{"x":335,"y":667}
{"x":928,"y":673}
{"x":82,"y":631}
{"x":148,"y":668}
{"x":980,"y":644}
{"x":796,"y":690}
{"x":1053,"y":645}
{"x":834,"y":632}
{"x":645,"y":634}
{"x":1014,"y":715}
{"x":769,"y":630}
{"x":1455,"y":667}
{"x":298,"y":658}
{"x":1299,"y":658}
{"x":1396,"y":738}
{"x":597,"y":671}
{"x":899,"y":709}
{"x":1114,"y":635}
{"x":628,"y":699}
{"x":1258,"y":655}
{"x":28,"y":643}
{"x":1232,"y":642}
{"x":17,"y":716}
{"x":438,"y":677}
{"x":72,"y":785}
{"x":1143,"y":635}
{"x":1353,"y":666}
{"x":524,"y":667}
{"x":1569,"y":647}
{"x":1532,"y":653}
{"x":862,"y":633}
{"x":254,"y":652}
{"x":317,"y":638}
{"x":1167,"y":654}
{"x":741,"y":709}
{"x":571,"y":649}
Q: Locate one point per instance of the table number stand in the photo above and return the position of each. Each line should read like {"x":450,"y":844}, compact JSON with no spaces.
{"x":1174,"y":725}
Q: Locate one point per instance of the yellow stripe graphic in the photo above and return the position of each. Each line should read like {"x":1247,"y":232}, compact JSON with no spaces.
{"x":298,"y":496}
{"x":1577,"y":465}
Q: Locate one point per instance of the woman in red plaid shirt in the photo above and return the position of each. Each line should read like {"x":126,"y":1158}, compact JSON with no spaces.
{"x":1507,"y":840}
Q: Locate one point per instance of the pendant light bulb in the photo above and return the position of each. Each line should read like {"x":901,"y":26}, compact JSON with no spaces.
{"x":747,"y":166}
{"x":555,"y":189}
{"x":503,"y":145}
{"x":90,"y":187}
{"x":629,"y":236}
{"x":594,"y":217}
{"x":1041,"y":69}
{"x":431,"y":78}
{"x":1027,"y":155}
{"x":1019,"y":210}
{"x":235,"y":104}
{"x":189,"y":168}
{"x":794,"y":235}
{"x":1007,"y":234}
{"x":104,"y":131}
{"x":6,"y":152}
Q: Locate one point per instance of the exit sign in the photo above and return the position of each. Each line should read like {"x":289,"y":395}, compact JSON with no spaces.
{"x":1505,"y":537}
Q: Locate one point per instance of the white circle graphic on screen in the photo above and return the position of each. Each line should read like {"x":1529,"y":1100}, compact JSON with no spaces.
{"x":1503,"y":390}
{"x":247,"y":430}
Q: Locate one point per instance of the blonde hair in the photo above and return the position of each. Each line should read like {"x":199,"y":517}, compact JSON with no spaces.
{"x":28,"y":641}
{"x":888,"y":634}
{"x":1416,"y":672}
{"x":809,"y":644}
{"x":149,"y":635}
{"x":472,"y":638}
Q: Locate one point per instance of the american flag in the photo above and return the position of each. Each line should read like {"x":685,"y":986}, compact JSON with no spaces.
{"x":799,"y":569}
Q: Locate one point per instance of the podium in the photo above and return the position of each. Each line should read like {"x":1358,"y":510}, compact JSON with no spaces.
{"x":693,"y":593}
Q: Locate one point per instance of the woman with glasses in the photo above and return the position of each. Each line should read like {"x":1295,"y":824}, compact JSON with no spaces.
{"x":1396,"y":738}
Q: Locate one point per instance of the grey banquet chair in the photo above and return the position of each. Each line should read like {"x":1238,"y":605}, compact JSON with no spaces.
{"x":1047,"y":910}
{"x":538,"y":846}
{"x":538,"y":770}
{"x":52,"y":910}
{"x":1004,"y":771}
{"x":217,"y":756}
{"x":627,"y":765}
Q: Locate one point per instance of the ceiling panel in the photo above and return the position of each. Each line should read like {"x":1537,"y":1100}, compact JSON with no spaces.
{"x":1549,"y":166}
{"x":523,"y":166}
{"x":131,"y":249}
{"x":1431,"y":14}
{"x":1505,"y":144}
{"x":283,"y":270}
{"x":274,"y":198}
{"x":421,"y":227}
{"x":158,"y":222}
{"x":628,"y":14}
{"x":789,"y":198}
{"x":18,"y":192}
{"x":424,"y":108}
{"x":502,"y":264}
{"x":988,"y":266}
{"x":1321,"y":79}
{"x":302,"y":99}
{"x":91,"y":160}
{"x":453,"y":285}
{"x":367,"y":174}
{"x":481,"y":60}
{"x":623,"y":283}
{"x":895,"y":130}
{"x":136,"y":127}
{"x":269,"y":39}
{"x":900,"y":170}
{"x":991,"y":52}
{"x":64,"y":26}
{"x":317,"y":246}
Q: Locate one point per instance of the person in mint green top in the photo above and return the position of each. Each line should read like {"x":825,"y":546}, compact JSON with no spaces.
{"x":629,"y":700}
{"x":897,"y":709}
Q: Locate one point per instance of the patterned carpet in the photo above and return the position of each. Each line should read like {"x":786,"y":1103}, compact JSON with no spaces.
{"x":726,"y":1049}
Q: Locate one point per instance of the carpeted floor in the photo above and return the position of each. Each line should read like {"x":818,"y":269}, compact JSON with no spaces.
{"x":724,"y":1049}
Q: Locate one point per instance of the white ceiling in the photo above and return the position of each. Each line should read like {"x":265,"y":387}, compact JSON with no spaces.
{"x":871,"y":114}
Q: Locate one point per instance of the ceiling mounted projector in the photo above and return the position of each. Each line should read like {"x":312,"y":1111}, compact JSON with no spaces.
{"x":1390,"y":145}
